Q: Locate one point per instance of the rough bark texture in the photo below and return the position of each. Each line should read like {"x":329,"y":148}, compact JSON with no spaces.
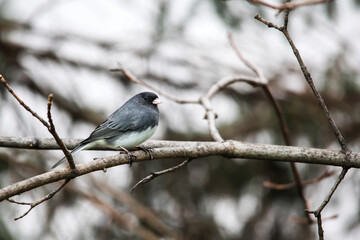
{"x":174,"y":150}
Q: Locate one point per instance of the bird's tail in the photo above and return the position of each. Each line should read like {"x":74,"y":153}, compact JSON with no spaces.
{"x":73,"y":152}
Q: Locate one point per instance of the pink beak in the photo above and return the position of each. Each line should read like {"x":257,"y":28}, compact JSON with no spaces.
{"x":156,"y":101}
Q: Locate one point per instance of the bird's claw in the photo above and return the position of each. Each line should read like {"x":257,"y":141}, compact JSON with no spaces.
{"x":131,"y":156}
{"x":146,"y":150}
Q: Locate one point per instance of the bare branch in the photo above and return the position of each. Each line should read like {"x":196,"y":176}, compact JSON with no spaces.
{"x":321,"y":102}
{"x":56,"y":136}
{"x":159,"y":173}
{"x":245,"y":61}
{"x":224,"y":82}
{"x":277,"y":186}
{"x":327,"y":199}
{"x":138,"y":81}
{"x":211,"y":116}
{"x":142,"y":212}
{"x":3,"y":81}
{"x":120,"y":218}
{"x":269,"y":24}
{"x":34,"y":204}
{"x":309,"y":79}
{"x":288,"y":5}
{"x":280,"y":116}
{"x":50,"y":126}
{"x":50,"y":143}
{"x":229,"y":149}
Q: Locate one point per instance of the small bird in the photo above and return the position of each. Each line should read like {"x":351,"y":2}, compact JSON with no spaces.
{"x":130,"y":125}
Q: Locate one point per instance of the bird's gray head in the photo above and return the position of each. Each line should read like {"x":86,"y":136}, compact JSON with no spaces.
{"x":147,"y":98}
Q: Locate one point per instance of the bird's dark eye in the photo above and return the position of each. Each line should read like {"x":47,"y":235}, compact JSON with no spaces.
{"x":146,"y":98}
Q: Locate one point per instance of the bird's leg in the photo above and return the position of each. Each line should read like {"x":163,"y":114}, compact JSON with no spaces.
{"x":146,"y":150}
{"x":130,"y":156}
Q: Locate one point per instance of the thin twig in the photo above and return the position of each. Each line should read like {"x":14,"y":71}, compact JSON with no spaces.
{"x":321,"y":101}
{"x":50,"y":126}
{"x":281,"y":119}
{"x":120,"y":218}
{"x":56,"y":136}
{"x":330,"y":194}
{"x":320,"y":228}
{"x":226,"y":81}
{"x":159,"y":173}
{"x":277,"y":186}
{"x":210,"y":117}
{"x":3,"y":81}
{"x":138,"y":81}
{"x":288,"y":6}
{"x":245,"y":61}
{"x":143,"y":213}
{"x":205,"y":100}
{"x":338,"y":135}
{"x":267,"y":23}
{"x":305,"y":221}
{"x":34,"y":204}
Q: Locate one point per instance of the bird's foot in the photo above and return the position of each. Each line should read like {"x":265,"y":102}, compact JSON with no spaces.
{"x":146,"y":150}
{"x":131,"y":157}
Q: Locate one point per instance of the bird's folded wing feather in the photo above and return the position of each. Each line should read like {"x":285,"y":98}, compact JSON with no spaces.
{"x":119,"y":122}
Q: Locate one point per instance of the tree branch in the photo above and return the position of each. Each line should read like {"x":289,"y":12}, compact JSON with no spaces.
{"x":153,"y":175}
{"x":229,"y":149}
{"x":134,"y":79}
{"x":34,"y":204}
{"x":321,"y":102}
{"x":284,"y":129}
{"x":326,"y":174}
{"x":144,"y":214}
{"x":56,"y":136}
{"x":50,"y":143}
{"x":27,"y":108}
{"x":288,"y":5}
{"x":50,"y":126}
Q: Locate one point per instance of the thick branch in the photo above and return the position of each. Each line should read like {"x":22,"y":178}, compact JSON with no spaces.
{"x":50,"y":143}
{"x":230,"y":149}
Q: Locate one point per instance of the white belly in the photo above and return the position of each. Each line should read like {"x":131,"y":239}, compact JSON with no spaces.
{"x":127,"y":141}
{"x":133,"y":139}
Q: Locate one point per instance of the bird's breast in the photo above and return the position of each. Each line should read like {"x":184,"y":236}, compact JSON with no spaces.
{"x":131,"y":139}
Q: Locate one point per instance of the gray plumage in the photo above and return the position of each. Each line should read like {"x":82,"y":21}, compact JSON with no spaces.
{"x":130,"y":125}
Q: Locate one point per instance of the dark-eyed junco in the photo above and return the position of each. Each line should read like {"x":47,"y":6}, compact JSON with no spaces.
{"x":132,"y":124}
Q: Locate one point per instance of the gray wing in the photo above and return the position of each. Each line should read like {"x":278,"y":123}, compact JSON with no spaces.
{"x":123,"y":120}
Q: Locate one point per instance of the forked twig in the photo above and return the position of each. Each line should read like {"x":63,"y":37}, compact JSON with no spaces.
{"x":281,"y":119}
{"x":34,"y":204}
{"x":339,"y":137}
{"x":50,"y":126}
{"x":159,"y":173}
{"x":309,"y":79}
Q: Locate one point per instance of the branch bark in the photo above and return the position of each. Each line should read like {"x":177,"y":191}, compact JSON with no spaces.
{"x":229,"y":149}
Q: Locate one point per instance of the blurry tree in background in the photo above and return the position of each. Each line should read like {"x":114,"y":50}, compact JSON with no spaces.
{"x":67,"y":48}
